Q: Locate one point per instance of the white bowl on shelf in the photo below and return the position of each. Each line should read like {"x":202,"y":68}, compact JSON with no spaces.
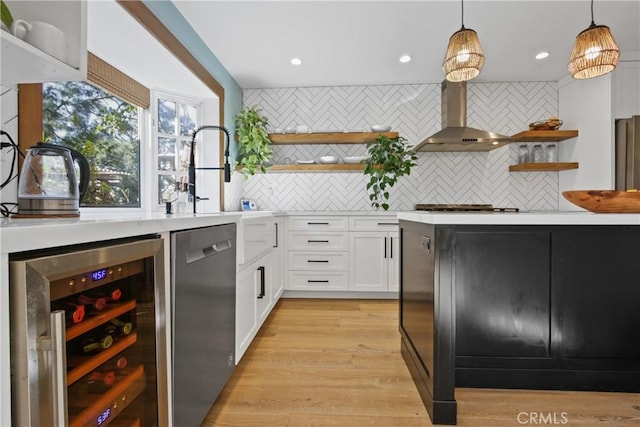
{"x":355,"y":159}
{"x":328,"y":160}
{"x":380,"y":128}
{"x":305,"y":162}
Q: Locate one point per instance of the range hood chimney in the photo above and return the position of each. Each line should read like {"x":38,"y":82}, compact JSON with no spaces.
{"x":456,"y":135}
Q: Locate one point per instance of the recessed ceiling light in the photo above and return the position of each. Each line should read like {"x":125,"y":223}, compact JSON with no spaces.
{"x":405,"y":58}
{"x":296,"y":61}
{"x":542,"y":55}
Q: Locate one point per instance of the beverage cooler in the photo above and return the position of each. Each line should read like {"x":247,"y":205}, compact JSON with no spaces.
{"x":88,"y":336}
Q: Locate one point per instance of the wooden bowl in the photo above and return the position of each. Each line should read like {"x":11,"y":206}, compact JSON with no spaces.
{"x":605,"y":201}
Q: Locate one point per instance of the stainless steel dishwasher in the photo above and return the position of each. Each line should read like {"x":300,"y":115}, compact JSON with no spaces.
{"x":204,"y":299}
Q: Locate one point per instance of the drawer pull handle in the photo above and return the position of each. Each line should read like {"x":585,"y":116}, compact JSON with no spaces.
{"x":317,"y":281}
{"x":387,"y":223}
{"x":317,"y":223}
{"x":317,"y":241}
{"x":317,"y":260}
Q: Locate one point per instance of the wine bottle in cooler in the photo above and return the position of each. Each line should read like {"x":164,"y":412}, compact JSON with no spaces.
{"x":94,"y":303}
{"x":101,"y":379}
{"x":117,"y":327}
{"x":97,"y":343}
{"x":109,"y":293}
{"x":73,"y":312}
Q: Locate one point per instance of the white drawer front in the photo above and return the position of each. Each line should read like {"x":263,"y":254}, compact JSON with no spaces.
{"x":318,"y":281}
{"x":318,"y":261}
{"x":255,"y":237}
{"x":318,"y":241}
{"x":319,"y":223}
{"x":373,"y":223}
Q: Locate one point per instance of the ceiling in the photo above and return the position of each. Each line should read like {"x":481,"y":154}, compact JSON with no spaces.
{"x":360,"y":42}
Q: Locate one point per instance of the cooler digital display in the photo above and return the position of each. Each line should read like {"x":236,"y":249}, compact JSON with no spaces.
{"x":104,"y":416}
{"x":99,"y":274}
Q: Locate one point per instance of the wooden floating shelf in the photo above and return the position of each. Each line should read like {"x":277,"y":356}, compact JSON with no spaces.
{"x":340,"y":167}
{"x":328,"y":138}
{"x":543,"y":167}
{"x":544,"y":135}
{"x":104,"y":316}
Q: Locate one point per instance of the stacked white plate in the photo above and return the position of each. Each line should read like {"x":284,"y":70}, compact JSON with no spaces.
{"x":355,"y":159}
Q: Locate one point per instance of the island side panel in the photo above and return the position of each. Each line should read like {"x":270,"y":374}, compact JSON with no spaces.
{"x":426,"y":316}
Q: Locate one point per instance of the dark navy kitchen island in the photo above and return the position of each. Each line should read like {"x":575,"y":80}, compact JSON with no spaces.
{"x":527,"y":301}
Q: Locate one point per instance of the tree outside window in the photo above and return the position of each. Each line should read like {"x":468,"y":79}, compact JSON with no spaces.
{"x":105,"y":129}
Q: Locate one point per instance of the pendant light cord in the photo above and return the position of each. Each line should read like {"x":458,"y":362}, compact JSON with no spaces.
{"x":592,"y":23}
{"x":462,"y":12}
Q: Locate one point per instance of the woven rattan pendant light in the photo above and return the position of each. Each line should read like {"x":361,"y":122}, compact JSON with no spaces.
{"x":595,"y":52}
{"x":464,"y":58}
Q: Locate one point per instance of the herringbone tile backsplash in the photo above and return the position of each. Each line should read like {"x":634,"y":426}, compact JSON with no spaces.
{"x":413,"y":111}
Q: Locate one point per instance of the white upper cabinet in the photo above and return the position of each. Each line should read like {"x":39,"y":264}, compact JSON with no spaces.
{"x":22,"y":62}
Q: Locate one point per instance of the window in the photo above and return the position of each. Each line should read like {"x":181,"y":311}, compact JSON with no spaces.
{"x":106,"y":130}
{"x":176,"y":119}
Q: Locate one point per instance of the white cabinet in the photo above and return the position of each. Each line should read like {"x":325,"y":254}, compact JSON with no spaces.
{"x":373,"y":261}
{"x":355,"y":253}
{"x":277,"y":258}
{"x":24,"y":63}
{"x":317,"y":253}
{"x":259,"y":281}
{"x":626,"y":89}
{"x":254,"y":301}
{"x":374,"y":253}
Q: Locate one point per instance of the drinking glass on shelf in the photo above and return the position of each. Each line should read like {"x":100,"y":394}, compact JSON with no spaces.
{"x":537,"y":155}
{"x":523,"y":154}
{"x":551,"y":153}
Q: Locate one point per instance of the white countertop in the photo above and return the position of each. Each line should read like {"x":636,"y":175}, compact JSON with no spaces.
{"x":17,"y":235}
{"x":520,"y":218}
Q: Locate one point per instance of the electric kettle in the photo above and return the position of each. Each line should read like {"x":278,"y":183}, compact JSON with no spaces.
{"x":48,"y":183}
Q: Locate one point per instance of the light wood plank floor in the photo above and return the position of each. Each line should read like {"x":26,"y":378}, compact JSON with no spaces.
{"x":338,"y":363}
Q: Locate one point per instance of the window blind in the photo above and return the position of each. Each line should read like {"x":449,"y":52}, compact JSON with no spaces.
{"x":109,"y":78}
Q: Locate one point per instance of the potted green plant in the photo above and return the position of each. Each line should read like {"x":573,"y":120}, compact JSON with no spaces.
{"x":5,"y":15}
{"x":388,"y":160}
{"x":254,"y":143}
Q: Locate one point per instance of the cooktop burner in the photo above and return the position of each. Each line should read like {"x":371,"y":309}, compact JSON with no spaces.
{"x":437,"y":207}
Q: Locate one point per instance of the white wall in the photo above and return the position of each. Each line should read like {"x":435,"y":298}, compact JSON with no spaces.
{"x":9,"y":124}
{"x":587,"y":105}
{"x":413,"y":111}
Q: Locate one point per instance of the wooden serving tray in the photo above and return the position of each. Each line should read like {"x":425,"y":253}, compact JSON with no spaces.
{"x":605,"y":201}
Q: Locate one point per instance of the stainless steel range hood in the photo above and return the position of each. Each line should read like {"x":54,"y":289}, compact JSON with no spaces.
{"x":456,"y":135}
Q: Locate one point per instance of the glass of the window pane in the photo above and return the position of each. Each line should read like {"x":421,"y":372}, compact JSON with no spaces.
{"x":185,"y":153}
{"x":77,"y":112}
{"x":166,"y":116}
{"x":166,"y":146}
{"x":166,"y":163}
{"x":167,"y":190}
{"x":187,"y":119}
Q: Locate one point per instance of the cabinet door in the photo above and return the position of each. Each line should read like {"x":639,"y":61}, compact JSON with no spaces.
{"x":246,"y":309}
{"x":502,"y":292}
{"x":368,"y":261}
{"x":263,"y":288}
{"x":393,"y":262}
{"x":277,"y":258}
{"x":595,"y":283}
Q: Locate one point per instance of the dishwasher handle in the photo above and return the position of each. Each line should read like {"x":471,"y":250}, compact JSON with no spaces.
{"x":216,"y":248}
